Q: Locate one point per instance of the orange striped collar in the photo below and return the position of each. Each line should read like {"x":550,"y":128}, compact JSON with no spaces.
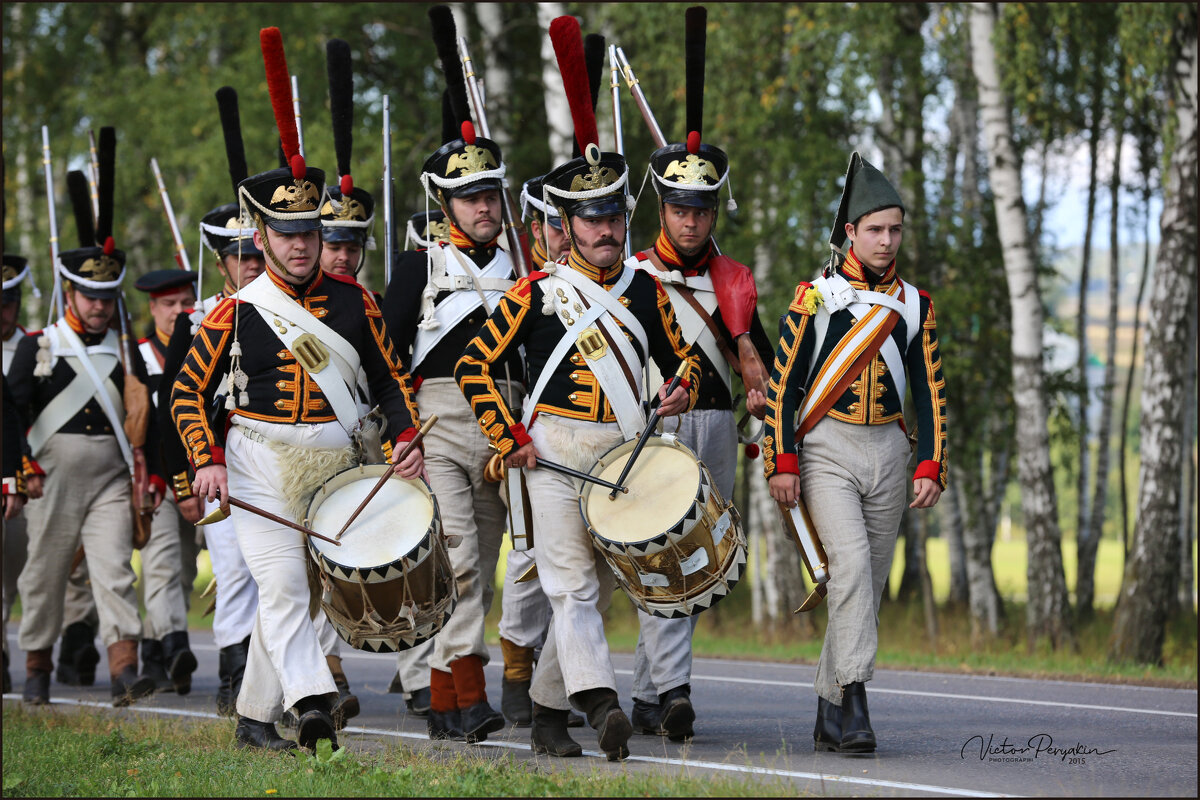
{"x":856,"y":272}
{"x":670,"y":256}
{"x":464,"y":242}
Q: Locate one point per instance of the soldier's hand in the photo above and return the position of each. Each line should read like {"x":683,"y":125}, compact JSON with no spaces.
{"x":673,"y":405}
{"x":413,"y":464}
{"x":785,"y":488}
{"x":523,"y":457}
{"x":13,"y":503}
{"x":191,"y":508}
{"x":211,"y":481}
{"x":926,"y":492}
{"x":34,"y":485}
{"x":756,"y":403}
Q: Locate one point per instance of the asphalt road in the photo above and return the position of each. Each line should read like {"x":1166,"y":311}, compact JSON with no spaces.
{"x":939,"y":734}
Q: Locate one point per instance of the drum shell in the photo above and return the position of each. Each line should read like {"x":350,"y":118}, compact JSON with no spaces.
{"x":411,"y":598}
{"x":690,"y":566}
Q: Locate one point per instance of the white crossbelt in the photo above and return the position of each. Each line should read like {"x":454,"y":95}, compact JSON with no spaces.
{"x":468,"y":291}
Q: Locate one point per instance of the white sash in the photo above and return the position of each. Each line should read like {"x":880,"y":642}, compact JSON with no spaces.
{"x":88,"y":363}
{"x":690,"y":323}
{"x":339,"y":378}
{"x":468,"y":291}
{"x":836,"y":294}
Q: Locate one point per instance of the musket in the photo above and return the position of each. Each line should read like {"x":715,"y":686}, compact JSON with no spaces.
{"x":389,"y":235}
{"x":618,"y":134}
{"x":514,"y":229}
{"x":181,"y":257}
{"x":296,"y":111}
{"x":94,"y":174}
{"x":56,"y":295}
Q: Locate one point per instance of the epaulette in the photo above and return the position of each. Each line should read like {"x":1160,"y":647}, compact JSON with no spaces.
{"x":537,"y":275}
{"x":370,"y":303}
{"x":221,"y":317}
{"x":929,"y":323}
{"x":803,"y":303}
{"x":343,"y":279}
{"x":143,"y":340}
{"x":642,"y":255}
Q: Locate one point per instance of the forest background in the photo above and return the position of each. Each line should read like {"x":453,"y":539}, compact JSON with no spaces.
{"x":1046,"y":154}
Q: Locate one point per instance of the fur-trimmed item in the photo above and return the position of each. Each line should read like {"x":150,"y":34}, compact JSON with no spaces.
{"x":576,"y":446}
{"x":304,"y":470}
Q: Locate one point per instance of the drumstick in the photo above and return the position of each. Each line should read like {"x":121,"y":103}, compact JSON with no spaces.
{"x":219,"y":514}
{"x":429,"y":423}
{"x":583,"y":476}
{"x":676,"y":379}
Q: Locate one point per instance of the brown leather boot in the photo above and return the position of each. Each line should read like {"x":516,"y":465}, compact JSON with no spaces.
{"x":38,"y":664}
{"x":127,"y":685}
{"x":477,"y":717}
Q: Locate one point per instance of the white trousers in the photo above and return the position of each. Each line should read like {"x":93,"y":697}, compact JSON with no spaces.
{"x":663,"y":659}
{"x":237,"y":593}
{"x":575,"y":577}
{"x":286,"y":662}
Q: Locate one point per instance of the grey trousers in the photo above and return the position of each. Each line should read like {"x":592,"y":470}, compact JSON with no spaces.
{"x":413,"y":667}
{"x":853,"y":479}
{"x":663,"y":659}
{"x":86,"y":500}
{"x":525,"y":610}
{"x":575,"y":577}
{"x":166,"y":589}
{"x":456,"y":452}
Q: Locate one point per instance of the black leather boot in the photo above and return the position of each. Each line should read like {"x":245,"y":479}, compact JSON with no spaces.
{"x":479,"y":720}
{"x":418,"y":703}
{"x":37,"y":688}
{"x":129,"y":687}
{"x":231,"y":666}
{"x":180,"y":660}
{"x":260,"y":735}
{"x":346,"y":706}
{"x":315,"y":722}
{"x":549,"y":734}
{"x":77,"y":656}
{"x":153,"y":666}
{"x":603,"y":712}
{"x":827,"y":735}
{"x":677,"y":713}
{"x":646,"y":717}
{"x":515,"y":703}
{"x":857,"y":736}
{"x":445,"y":725}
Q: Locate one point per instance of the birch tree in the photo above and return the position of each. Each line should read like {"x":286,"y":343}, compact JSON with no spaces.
{"x":560,"y":130}
{"x":1047,"y":608}
{"x":1147,"y":590}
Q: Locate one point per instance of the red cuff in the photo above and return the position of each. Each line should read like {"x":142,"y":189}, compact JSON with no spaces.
{"x":787,"y":462}
{"x":407,"y":435}
{"x":216,"y":456}
{"x":520,"y":435}
{"x":928,"y":469}
{"x":417,"y":380}
{"x":685,"y":383}
{"x":158,"y":484}
{"x":35,"y":468}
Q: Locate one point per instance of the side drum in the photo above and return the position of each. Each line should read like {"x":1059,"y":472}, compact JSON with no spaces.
{"x":390,"y":585}
{"x":675,"y":545}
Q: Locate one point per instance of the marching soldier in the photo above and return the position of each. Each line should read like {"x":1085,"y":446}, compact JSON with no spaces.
{"x":588,"y":324}
{"x":436,"y":302}
{"x":69,"y":382}
{"x":852,"y":340}
{"x":714,"y":300}
{"x":169,"y":556}
{"x":280,"y":341}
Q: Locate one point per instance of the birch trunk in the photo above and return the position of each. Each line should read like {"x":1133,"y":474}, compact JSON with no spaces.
{"x":1146,"y":600}
{"x":496,"y":75}
{"x":1047,"y":608}
{"x":952,"y":531}
{"x":1088,"y":538}
{"x":1187,"y":483}
{"x":560,"y":129}
{"x":1133,"y":357}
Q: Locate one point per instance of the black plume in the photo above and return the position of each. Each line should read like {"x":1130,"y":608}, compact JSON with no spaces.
{"x":231,"y":125}
{"x":106,"y":184}
{"x":450,"y":131}
{"x":445,"y":39}
{"x":341,"y":101}
{"x":695,"y":20}
{"x":81,"y":203}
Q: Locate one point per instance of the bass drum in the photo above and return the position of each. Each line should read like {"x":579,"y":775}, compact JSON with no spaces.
{"x":389,"y":586}
{"x":675,"y":545}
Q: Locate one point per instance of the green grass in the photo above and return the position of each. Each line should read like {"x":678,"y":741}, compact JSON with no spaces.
{"x":53,"y":753}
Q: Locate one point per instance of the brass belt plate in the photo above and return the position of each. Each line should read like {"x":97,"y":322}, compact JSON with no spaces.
{"x":311,"y":354}
{"x":591,"y":344}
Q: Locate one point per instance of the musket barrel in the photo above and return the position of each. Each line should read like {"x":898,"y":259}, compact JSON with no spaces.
{"x":296,"y":111}
{"x":56,"y":296}
{"x":181,"y":257}
{"x":618,"y":134}
{"x":389,"y":227}
{"x":94,"y":174}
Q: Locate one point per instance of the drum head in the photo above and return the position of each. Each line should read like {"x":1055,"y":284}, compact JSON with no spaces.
{"x":662,"y":488}
{"x":392,"y":525}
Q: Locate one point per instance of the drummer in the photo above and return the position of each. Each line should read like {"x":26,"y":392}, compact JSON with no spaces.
{"x":585,"y":365}
{"x":286,"y":408}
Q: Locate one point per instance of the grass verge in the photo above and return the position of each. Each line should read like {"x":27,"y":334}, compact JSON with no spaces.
{"x":84,"y":752}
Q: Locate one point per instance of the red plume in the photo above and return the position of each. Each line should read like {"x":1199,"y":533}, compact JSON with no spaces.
{"x":347,"y":185}
{"x":109,"y":246}
{"x":280,"y":87}
{"x":693,"y":142}
{"x":468,"y":132}
{"x":568,"y":48}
